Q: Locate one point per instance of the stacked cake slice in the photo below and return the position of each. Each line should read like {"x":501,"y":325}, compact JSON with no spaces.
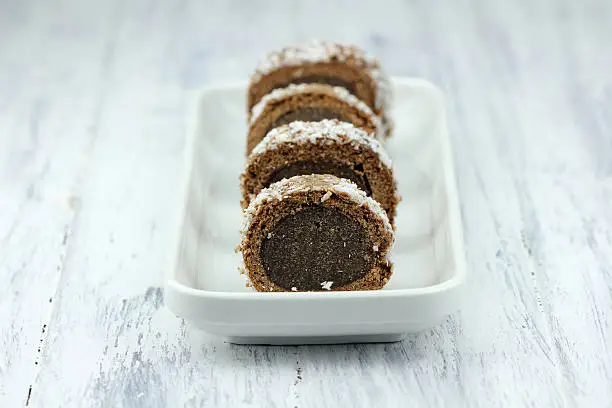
{"x":319,"y":194}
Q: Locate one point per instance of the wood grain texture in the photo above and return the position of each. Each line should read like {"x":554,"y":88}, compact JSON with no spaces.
{"x":92,"y":105}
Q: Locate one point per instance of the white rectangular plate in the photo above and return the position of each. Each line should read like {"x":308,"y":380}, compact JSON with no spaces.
{"x":206,"y":288}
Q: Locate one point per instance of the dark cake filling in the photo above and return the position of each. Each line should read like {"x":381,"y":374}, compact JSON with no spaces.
{"x":314,"y":247}
{"x":300,"y":168}
{"x":320,"y":79}
{"x":306,"y":114}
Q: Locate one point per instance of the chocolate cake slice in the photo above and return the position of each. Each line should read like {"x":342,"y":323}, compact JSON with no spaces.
{"x":324,"y":147}
{"x":315,"y":233}
{"x":309,"y":102}
{"x":334,"y":64}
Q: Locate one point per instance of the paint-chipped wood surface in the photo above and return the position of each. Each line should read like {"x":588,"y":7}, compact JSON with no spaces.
{"x":92,"y":105}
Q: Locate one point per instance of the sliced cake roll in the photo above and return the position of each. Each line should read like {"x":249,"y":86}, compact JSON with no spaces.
{"x":309,"y":102}
{"x":328,"y":63}
{"x":324,"y":147}
{"x":315,"y":233}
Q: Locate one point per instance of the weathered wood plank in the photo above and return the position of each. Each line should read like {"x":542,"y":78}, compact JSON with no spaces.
{"x":530,"y":98}
{"x":50,"y":86}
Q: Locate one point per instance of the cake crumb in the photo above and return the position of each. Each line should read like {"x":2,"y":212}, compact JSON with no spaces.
{"x":375,"y":248}
{"x":327,"y":285}
{"x":294,"y":289}
{"x":326,"y":196}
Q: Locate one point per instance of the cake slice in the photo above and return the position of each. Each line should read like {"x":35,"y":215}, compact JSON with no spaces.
{"x":315,"y":233}
{"x":324,"y":147}
{"x":309,"y":102}
{"x":321,"y":62}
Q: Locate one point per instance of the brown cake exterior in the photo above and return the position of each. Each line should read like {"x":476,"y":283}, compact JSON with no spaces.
{"x":309,"y":102}
{"x":334,"y":64}
{"x":314,"y":233}
{"x":324,"y":147}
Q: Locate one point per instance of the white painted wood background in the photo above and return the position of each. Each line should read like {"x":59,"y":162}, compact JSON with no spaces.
{"x":92,"y":104}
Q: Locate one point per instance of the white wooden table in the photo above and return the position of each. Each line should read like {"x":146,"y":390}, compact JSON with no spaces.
{"x":92,"y":104}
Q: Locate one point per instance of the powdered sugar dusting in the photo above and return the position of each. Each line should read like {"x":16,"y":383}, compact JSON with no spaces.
{"x":325,"y":132}
{"x":320,"y":52}
{"x":295,"y":89}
